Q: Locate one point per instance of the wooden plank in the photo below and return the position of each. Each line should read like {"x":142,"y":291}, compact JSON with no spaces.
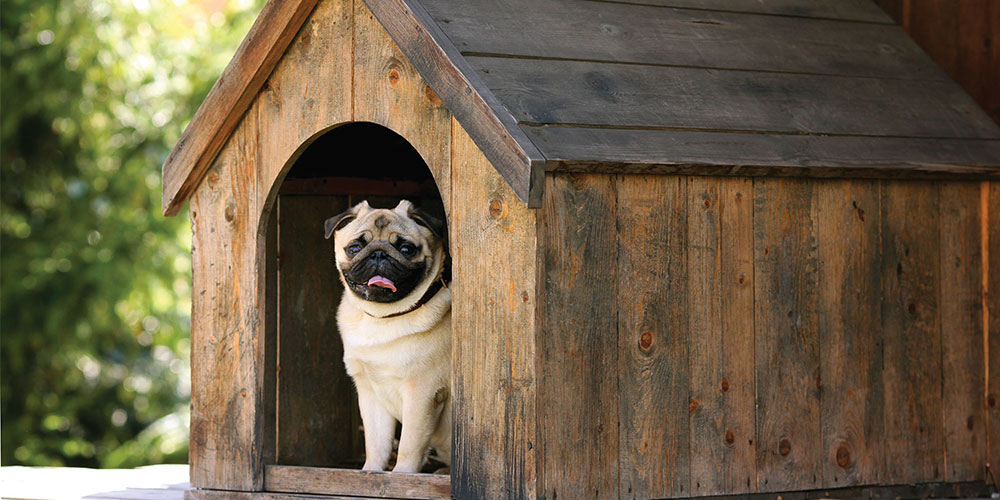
{"x":847,"y":218}
{"x":578,"y":342}
{"x":585,"y":93}
{"x":893,"y":492}
{"x":847,"y":10}
{"x":721,"y":285}
{"x":270,"y":369}
{"x":389,"y":91}
{"x":314,"y":419}
{"x":914,"y":437}
{"x":288,"y":479}
{"x":653,"y":374}
{"x":227,"y":413}
{"x":294,"y":109}
{"x":489,"y":124}
{"x":712,"y":153}
{"x":786,"y":323}
{"x":494,"y":253}
{"x":991,"y":307}
{"x":356,"y":186}
{"x":222,"y":110}
{"x":962,"y":362}
{"x":627,"y":32}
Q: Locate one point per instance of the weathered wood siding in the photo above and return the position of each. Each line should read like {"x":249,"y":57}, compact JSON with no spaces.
{"x":494,"y":378}
{"x":340,"y":67}
{"x":717,"y":336}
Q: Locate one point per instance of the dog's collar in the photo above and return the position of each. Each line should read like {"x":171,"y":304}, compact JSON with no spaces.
{"x":428,"y":295}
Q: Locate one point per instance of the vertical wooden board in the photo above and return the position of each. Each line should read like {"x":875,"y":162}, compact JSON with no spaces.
{"x":316,"y":399}
{"x":493,"y":332}
{"x":270,"y":368}
{"x":653,"y":373}
{"x":389,"y":91}
{"x":991,"y":306}
{"x":578,"y":339}
{"x":308,"y":92}
{"x":847,"y":218}
{"x":914,"y":437}
{"x":786,"y":323}
{"x":962,"y":363}
{"x":226,"y":349}
{"x":720,"y":301}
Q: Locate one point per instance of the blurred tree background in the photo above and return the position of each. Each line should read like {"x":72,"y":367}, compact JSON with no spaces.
{"x":94,"y":282}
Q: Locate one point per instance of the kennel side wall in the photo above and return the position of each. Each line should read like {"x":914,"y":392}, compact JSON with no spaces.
{"x":709,"y":336}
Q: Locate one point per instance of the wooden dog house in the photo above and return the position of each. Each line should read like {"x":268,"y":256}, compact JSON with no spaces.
{"x":700,"y":248}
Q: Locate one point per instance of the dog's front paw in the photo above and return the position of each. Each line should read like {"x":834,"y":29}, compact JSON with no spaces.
{"x":372,"y":467}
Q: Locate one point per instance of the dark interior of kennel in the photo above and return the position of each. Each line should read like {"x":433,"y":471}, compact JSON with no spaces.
{"x":314,"y":417}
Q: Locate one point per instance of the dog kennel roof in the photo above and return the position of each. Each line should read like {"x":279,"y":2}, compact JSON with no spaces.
{"x":820,"y":88}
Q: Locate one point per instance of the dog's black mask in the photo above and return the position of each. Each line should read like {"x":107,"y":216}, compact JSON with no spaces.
{"x":380,"y":259}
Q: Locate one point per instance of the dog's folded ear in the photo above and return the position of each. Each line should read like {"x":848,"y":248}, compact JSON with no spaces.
{"x":338,"y":221}
{"x":435,"y":225}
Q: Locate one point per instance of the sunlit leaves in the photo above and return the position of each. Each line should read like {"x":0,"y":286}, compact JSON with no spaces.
{"x":94,"y":283}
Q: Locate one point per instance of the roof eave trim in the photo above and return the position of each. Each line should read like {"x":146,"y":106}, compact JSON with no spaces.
{"x":490,"y":125}
{"x":223,"y":109}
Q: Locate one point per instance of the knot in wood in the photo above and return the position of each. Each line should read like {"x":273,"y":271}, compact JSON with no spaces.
{"x":912,"y":308}
{"x":693,"y":405}
{"x":498,"y":208}
{"x":393,"y":77}
{"x":431,"y":96}
{"x":230,"y":211}
{"x":730,"y":437}
{"x":724,"y":385}
{"x":991,"y":400}
{"x":646,"y":341}
{"x":970,"y":422}
{"x":785,"y":447}
{"x":843,"y":456}
{"x":708,"y":202}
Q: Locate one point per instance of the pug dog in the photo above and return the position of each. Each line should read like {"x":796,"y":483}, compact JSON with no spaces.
{"x":395,"y":322}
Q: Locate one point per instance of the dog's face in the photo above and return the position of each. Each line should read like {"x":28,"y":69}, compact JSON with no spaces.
{"x":384,"y":255}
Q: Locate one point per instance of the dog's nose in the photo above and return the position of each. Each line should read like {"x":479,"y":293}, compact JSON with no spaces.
{"x":377,"y":255}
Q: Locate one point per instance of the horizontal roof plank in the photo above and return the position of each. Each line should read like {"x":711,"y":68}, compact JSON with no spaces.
{"x":847,"y":10}
{"x":565,"y":29}
{"x":714,"y":153}
{"x":616,"y":95}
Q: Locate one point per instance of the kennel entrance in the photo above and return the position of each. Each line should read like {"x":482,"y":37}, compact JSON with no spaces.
{"x":317,"y":442}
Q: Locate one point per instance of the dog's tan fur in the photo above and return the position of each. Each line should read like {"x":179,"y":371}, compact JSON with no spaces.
{"x":400,"y":365}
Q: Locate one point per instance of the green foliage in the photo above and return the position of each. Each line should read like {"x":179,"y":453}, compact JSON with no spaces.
{"x":94,"y":282}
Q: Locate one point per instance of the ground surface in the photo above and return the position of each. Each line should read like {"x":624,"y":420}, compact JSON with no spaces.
{"x":156,"y":482}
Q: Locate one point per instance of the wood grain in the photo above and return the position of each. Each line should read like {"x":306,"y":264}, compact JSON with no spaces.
{"x":962,"y":363}
{"x":494,"y":326}
{"x":489,"y":124}
{"x":319,"y":480}
{"x":316,"y":399}
{"x":653,"y":339}
{"x":848,"y":220}
{"x":719,"y":153}
{"x":720,"y":302}
{"x":578,"y":399}
{"x":226,"y":357}
{"x":389,"y":91}
{"x":585,"y":93}
{"x":786,"y":322}
{"x":222,"y":110}
{"x":628,"y":32}
{"x":847,"y":10}
{"x":309,"y":92}
{"x":991,"y":271}
{"x":911,"y":325}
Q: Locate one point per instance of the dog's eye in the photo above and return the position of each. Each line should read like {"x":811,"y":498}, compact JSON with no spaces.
{"x":353,"y":249}
{"x":407,"y":249}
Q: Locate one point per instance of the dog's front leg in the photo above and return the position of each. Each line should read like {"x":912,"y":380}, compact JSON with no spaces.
{"x":421,"y":409}
{"x":380,"y":428}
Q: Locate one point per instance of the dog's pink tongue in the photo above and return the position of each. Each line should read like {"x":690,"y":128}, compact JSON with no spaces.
{"x":382,"y":282}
